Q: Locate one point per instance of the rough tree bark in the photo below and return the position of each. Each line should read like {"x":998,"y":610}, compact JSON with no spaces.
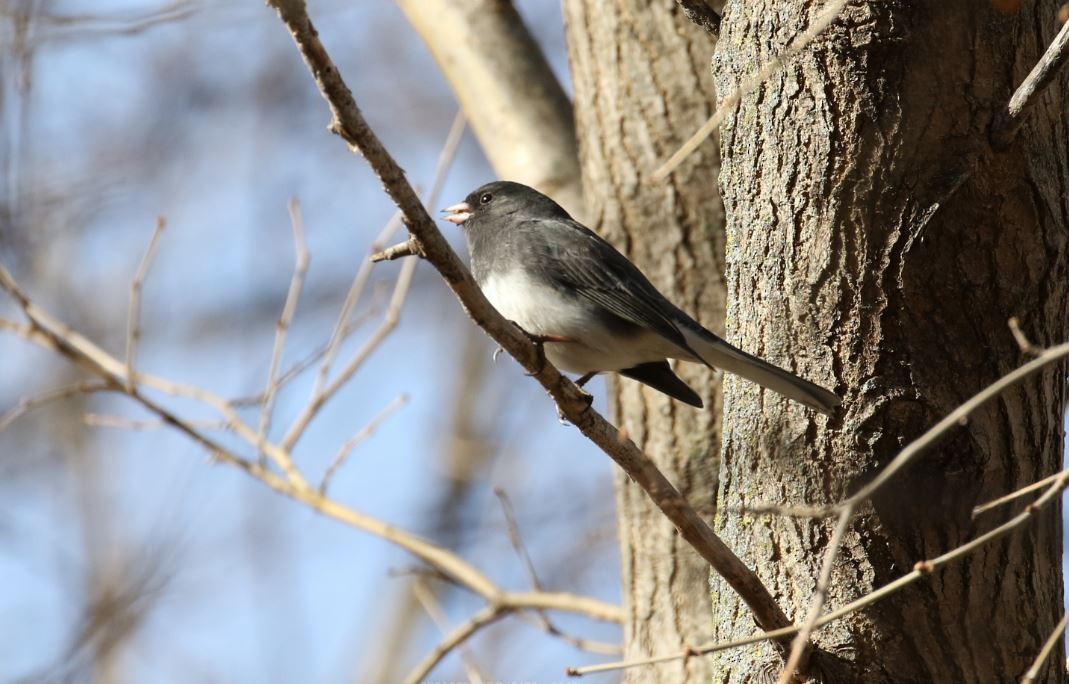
{"x":828,"y":171}
{"x":642,"y":85}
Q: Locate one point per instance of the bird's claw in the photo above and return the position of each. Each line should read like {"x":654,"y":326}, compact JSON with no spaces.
{"x":541,"y":360}
{"x":539,"y":342}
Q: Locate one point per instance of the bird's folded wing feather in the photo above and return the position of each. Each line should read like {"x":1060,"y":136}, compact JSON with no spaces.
{"x":593,"y":269}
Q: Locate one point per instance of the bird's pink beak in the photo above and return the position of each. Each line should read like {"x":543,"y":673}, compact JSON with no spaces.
{"x":458,"y":213}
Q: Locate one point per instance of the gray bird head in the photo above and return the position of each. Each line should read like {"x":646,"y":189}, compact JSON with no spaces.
{"x":494,"y":203}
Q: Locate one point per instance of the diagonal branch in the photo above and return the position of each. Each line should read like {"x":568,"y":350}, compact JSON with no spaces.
{"x":1027,"y":94}
{"x":921,"y":570}
{"x":49,"y":333}
{"x":455,"y":639}
{"x":348,"y":122}
{"x":466,"y":631}
{"x":800,"y":647}
{"x":133,"y":314}
{"x":300,"y":269}
{"x":1044,"y":653}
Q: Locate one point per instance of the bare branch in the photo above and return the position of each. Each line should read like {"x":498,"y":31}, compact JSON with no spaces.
{"x":445,"y":160}
{"x":356,"y":289}
{"x":800,"y":646}
{"x":921,"y":569}
{"x":389,"y":322}
{"x":404,"y":249}
{"x":133,"y":314}
{"x":540,"y":616}
{"x":300,"y":269}
{"x":123,"y":423}
{"x":701,"y":13}
{"x":1044,"y":653}
{"x":1027,"y":94}
{"x":1014,"y":495}
{"x":352,"y":442}
{"x":1022,"y":340}
{"x":825,"y":19}
{"x":515,"y":539}
{"x":455,"y":638}
{"x":312,"y":358}
{"x":49,"y":333}
{"x":66,"y":27}
{"x":27,"y":404}
{"x":323,"y":392}
{"x":434,"y":609}
{"x":348,"y":122}
{"x":918,"y":446}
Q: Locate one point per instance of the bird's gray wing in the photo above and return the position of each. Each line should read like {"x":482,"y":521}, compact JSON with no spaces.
{"x":577,"y":259}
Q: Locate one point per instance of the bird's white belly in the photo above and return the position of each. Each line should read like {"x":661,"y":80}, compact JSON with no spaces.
{"x":541,"y":310}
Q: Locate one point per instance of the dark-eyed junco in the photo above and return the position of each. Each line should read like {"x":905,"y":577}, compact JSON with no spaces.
{"x":593,"y":309}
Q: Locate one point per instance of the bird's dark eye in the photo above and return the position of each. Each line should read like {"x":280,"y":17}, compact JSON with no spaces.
{"x":485,"y":198}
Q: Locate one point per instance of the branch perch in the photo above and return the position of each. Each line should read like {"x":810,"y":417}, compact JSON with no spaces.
{"x":348,"y":122}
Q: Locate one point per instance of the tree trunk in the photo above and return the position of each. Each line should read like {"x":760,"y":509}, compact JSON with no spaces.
{"x":829,"y":170}
{"x":516,"y":107}
{"x":642,"y":85}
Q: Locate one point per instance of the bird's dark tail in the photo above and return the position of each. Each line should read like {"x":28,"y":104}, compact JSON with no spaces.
{"x":717,"y":353}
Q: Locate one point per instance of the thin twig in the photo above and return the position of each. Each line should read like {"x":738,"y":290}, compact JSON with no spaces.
{"x":348,"y":122}
{"x":445,"y":161}
{"x":403,"y":249}
{"x":133,"y":313}
{"x":47,"y":331}
{"x":1027,"y":94}
{"x":589,"y":645}
{"x":540,"y":617}
{"x":124,"y":423}
{"x":312,"y":358}
{"x":27,"y":404}
{"x":918,"y":446}
{"x":430,"y":604}
{"x":513,"y":530}
{"x":800,"y":646}
{"x":1044,"y":653}
{"x":1027,"y":489}
{"x":363,"y":434}
{"x":1022,"y":340}
{"x":83,"y":353}
{"x":825,"y":19}
{"x":293,"y":296}
{"x":356,"y":289}
{"x":454,"y":639}
{"x":921,"y":569}
{"x":389,"y":322}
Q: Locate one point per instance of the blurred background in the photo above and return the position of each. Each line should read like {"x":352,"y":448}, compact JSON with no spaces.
{"x":125,"y":555}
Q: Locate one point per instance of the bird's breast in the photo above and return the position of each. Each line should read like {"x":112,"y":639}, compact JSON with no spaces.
{"x":538,"y":307}
{"x":597,"y":340}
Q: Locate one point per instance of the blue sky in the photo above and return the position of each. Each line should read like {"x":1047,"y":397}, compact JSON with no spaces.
{"x":212,"y":122}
